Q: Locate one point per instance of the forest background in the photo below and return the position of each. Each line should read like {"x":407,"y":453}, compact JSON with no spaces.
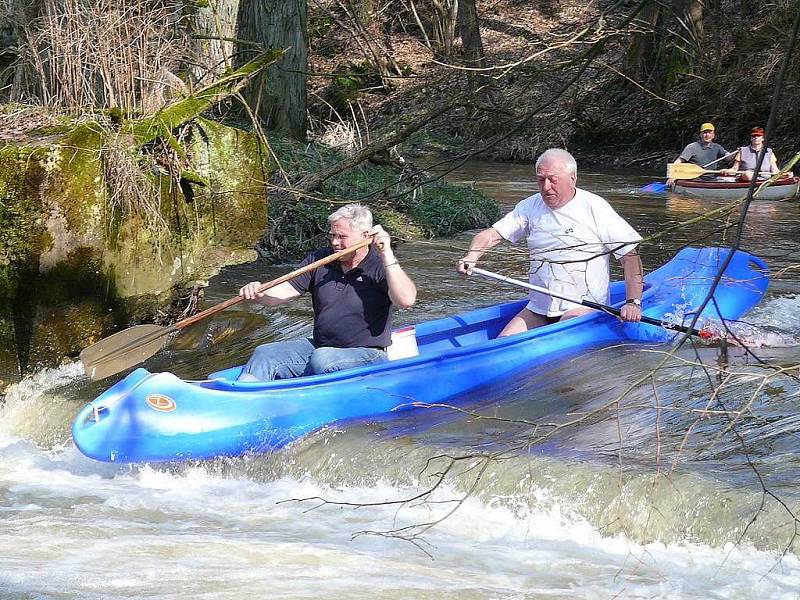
{"x":618,"y":82}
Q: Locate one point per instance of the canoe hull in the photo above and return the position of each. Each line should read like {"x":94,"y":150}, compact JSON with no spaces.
{"x":159,"y":417}
{"x":783,"y":189}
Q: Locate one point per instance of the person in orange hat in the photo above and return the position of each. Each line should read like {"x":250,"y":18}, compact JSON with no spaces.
{"x":746,"y":156}
{"x":704,"y":152}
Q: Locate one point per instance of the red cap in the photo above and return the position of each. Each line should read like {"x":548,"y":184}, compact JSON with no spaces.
{"x":757,"y":131}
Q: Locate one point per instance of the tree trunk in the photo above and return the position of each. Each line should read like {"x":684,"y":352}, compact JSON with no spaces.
{"x":671,"y":47}
{"x":212,"y":45}
{"x":474,"y":58}
{"x":693,"y":11}
{"x":643,"y":51}
{"x":279,"y":96}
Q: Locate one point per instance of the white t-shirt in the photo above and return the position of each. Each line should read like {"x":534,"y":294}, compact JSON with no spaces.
{"x":569,"y":247}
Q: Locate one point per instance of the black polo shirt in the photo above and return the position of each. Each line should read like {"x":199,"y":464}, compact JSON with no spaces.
{"x":351,"y":309}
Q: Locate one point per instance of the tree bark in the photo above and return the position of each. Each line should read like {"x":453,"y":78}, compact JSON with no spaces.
{"x":278,"y":97}
{"x":672,"y":45}
{"x":694,"y":12}
{"x":474,"y":57}
{"x":212,"y":45}
{"x":643,"y":52}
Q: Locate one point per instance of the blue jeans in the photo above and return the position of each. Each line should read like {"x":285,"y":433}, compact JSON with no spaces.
{"x":293,"y":358}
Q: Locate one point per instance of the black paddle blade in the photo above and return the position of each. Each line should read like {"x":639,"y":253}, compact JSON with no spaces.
{"x":122,"y":350}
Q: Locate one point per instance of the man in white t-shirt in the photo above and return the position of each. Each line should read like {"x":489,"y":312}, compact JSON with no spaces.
{"x":570,"y":233}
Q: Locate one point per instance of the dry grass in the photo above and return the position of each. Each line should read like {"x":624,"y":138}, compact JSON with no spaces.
{"x":82,"y":54}
{"x":132,"y":190}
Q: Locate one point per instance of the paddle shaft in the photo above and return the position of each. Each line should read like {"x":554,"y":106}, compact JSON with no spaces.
{"x":270,"y":284}
{"x":713,"y":162}
{"x":139,"y":342}
{"x":587,"y":303}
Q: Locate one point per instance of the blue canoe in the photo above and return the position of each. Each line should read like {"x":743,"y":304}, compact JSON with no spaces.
{"x":158,"y":417}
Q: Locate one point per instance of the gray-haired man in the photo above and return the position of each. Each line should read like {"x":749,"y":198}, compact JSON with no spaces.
{"x":352,"y":299}
{"x":570,"y":233}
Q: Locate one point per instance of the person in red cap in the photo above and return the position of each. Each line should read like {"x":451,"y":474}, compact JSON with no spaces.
{"x":746,"y":156}
{"x":704,"y":152}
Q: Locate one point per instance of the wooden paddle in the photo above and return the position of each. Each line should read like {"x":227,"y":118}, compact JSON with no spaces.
{"x":688,"y":171}
{"x":701,"y":333}
{"x":135,"y":344}
{"x":656,"y":186}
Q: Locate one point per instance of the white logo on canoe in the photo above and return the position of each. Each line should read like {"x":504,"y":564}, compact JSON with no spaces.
{"x":161,"y":403}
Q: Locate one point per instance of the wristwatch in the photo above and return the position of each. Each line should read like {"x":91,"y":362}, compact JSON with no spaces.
{"x":635,"y":301}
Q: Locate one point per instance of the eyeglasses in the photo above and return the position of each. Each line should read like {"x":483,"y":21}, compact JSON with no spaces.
{"x":752,"y":135}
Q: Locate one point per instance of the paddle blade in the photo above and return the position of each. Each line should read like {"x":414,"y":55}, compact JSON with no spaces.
{"x":654,"y":188}
{"x":685,"y":171}
{"x":122,"y":350}
{"x":707,"y":334}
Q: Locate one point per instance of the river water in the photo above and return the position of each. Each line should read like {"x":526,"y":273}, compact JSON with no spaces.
{"x":633,"y":502}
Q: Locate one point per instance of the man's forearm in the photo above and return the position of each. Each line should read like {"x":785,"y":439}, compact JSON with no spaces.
{"x":483,"y":241}
{"x":634,"y":275}
{"x":402,"y":291}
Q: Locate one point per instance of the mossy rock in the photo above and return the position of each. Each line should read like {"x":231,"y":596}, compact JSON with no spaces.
{"x":101,"y":265}
{"x":22,"y":230}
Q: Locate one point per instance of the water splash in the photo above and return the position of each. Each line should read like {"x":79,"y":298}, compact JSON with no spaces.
{"x":781,"y":313}
{"x":38,"y":408}
{"x":774,"y":324}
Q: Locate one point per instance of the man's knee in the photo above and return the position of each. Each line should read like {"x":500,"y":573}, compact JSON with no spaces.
{"x":524,"y":320}
{"x":278,"y":360}
{"x":263,"y":352}
{"x":323,"y":360}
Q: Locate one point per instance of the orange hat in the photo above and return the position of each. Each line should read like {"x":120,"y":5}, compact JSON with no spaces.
{"x":707,"y":127}
{"x":757,"y":131}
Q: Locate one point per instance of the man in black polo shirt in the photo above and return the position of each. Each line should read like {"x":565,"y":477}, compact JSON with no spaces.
{"x":352,"y":299}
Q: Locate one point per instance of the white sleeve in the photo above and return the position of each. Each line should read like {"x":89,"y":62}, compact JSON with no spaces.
{"x":614,"y":231}
{"x":515,"y":226}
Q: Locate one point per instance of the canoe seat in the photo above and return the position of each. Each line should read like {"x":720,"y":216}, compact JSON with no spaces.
{"x":404,"y":343}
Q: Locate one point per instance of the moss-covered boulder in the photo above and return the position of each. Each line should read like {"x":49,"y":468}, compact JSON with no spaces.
{"x":109,"y":220}
{"x":152,"y":228}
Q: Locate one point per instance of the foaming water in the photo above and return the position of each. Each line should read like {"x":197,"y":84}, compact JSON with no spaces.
{"x":38,"y":407}
{"x":779,"y":313}
{"x":111,"y":532}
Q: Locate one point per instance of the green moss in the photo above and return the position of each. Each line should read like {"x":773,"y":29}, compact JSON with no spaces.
{"x":193,"y":177}
{"x":235,"y":167}
{"x":117,"y":115}
{"x":351,"y":78}
{"x":75,"y":177}
{"x":8,"y":359}
{"x":164,"y":121}
{"x":22,"y":231}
